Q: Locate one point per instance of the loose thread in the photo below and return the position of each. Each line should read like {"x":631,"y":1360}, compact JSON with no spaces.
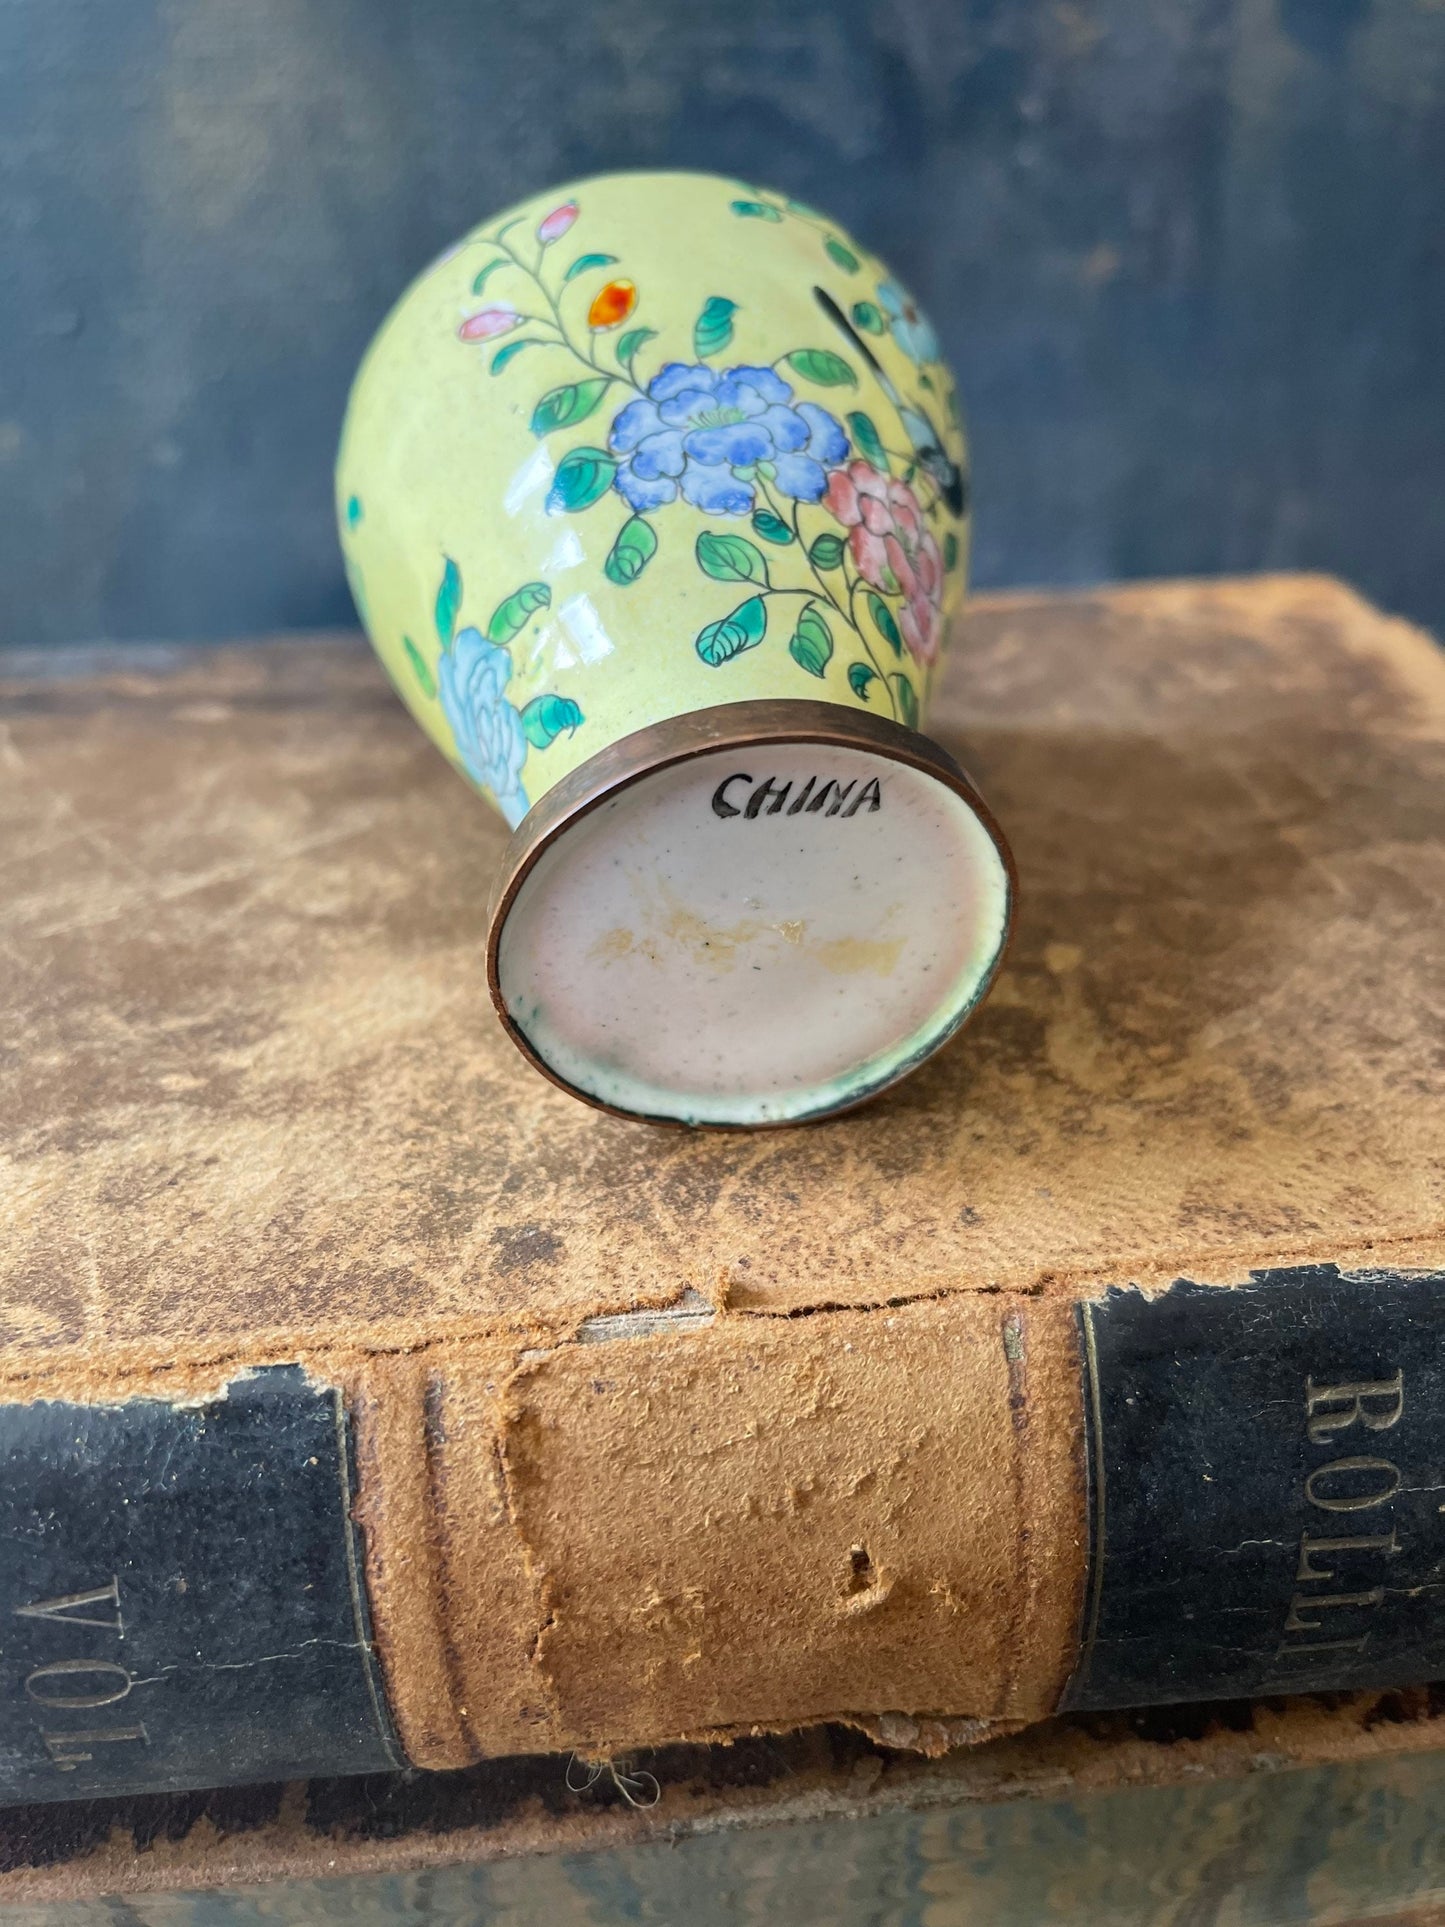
{"x":639,"y":1789}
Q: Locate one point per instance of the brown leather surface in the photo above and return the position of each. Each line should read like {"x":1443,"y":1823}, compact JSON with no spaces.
{"x":254,"y":1106}
{"x":254,"y":1095}
{"x":772,"y":1522}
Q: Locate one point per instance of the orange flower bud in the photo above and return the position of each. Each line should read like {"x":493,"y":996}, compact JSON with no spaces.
{"x":612,"y":305}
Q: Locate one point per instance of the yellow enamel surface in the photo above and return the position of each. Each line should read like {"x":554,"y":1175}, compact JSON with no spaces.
{"x":442,"y":460}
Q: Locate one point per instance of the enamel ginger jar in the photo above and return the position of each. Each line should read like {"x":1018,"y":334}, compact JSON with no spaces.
{"x":653,"y":501}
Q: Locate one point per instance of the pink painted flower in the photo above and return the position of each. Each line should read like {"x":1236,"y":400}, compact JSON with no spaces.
{"x":556,"y":224}
{"x":893,"y":548}
{"x":488,"y":322}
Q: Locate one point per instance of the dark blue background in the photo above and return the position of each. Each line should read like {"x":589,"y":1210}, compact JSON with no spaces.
{"x":1187,"y":255}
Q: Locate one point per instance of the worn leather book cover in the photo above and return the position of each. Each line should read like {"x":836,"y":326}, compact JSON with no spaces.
{"x":365,"y":1401}
{"x":1250,"y":1815}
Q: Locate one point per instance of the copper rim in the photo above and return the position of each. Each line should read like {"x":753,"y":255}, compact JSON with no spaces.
{"x":700,"y":732}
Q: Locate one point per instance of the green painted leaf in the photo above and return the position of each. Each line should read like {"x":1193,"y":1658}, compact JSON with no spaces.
{"x":845,"y":257}
{"x":826,"y":552}
{"x":822,"y":366}
{"x":420,"y":667}
{"x":907,"y":700}
{"x":868,"y":318}
{"x":887,"y":627}
{"x":950,"y":550}
{"x":731,"y":558}
{"x":772,"y":528}
{"x":586,"y":261}
{"x":743,"y":629}
{"x":713,"y":329}
{"x":811,"y":645}
{"x":449,"y":599}
{"x":510,"y":353}
{"x":353,"y":510}
{"x":512,"y":616}
{"x":545,"y":717}
{"x":583,"y":477}
{"x":630,"y":554}
{"x":628,"y":344}
{"x":860,"y":674}
{"x":757,"y":210}
{"x":489,"y":269}
{"x":573,"y":402}
{"x":866,"y":440}
{"x":924,"y":381}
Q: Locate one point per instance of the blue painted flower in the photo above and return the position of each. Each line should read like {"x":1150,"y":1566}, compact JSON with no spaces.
{"x":472,"y":677}
{"x":709,"y":433}
{"x":912,"y":330}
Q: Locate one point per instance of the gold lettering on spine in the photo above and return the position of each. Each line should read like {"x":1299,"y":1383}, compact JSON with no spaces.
{"x":81,"y":1685}
{"x":1352,"y":1501}
{"x":1361,"y":1542}
{"x":64,"y":1609}
{"x":60,"y":1669}
{"x":68,"y":1750}
{"x":1357,"y":1401}
{"x":1322,"y":1646}
{"x":1317,"y":1602}
{"x":1355,"y":1483}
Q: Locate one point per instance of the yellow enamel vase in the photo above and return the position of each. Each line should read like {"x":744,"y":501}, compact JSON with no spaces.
{"x":653,"y":498}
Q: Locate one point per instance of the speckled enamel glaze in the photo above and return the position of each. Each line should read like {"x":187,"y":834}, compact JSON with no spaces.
{"x":649,"y":447}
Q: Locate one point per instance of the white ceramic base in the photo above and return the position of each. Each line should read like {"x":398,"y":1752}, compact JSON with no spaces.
{"x":754,"y":936}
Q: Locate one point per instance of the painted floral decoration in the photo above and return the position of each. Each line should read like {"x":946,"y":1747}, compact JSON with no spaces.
{"x":850,"y":520}
{"x":714,"y":435}
{"x":491,"y":734}
{"x":893,"y":548}
{"x":611,"y":306}
{"x":488,"y":322}
{"x":912,"y":329}
{"x":554,"y":225}
{"x":487,"y":730}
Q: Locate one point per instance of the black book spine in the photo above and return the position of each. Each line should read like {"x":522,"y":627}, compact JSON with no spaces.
{"x":1267,"y":1487}
{"x":181,"y":1594}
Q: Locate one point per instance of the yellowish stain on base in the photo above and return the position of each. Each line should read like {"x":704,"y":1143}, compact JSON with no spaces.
{"x":852,"y":956}
{"x":679,"y":928}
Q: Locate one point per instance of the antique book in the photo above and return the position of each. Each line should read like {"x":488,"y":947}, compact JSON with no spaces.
{"x":366,"y":1402}
{"x":1255,"y":1816}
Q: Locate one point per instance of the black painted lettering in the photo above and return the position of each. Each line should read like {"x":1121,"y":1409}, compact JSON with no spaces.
{"x":870,"y":794}
{"x":720,"y":804}
{"x":65,"y":1669}
{"x":795,"y":796}
{"x":1361,"y":1542}
{"x":67,"y":1609}
{"x":769,"y":787}
{"x":1348,"y":1501}
{"x":1374,"y":1403}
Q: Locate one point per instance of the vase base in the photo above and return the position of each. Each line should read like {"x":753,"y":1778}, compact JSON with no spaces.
{"x":749,"y":916}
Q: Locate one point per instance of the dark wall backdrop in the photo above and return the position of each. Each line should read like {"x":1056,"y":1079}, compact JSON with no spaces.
{"x":1187,"y":255}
